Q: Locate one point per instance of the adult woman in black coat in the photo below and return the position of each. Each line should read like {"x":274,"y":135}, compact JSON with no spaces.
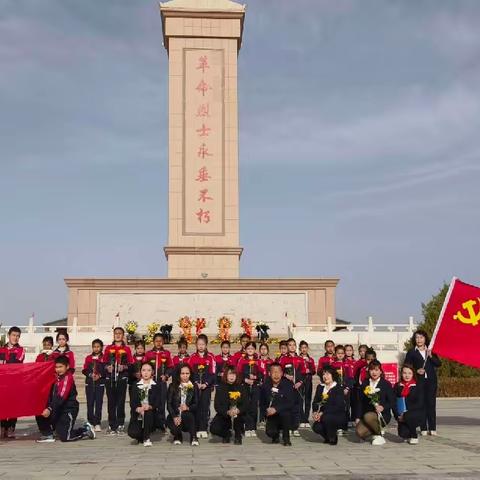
{"x":376,"y":404}
{"x":329,"y":414}
{"x":425,"y":364}
{"x":231,"y":403}
{"x":409,"y":395}
{"x":182,"y":402}
{"x":145,"y":401}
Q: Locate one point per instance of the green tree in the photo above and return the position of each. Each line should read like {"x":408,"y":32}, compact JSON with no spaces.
{"x":431,"y":312}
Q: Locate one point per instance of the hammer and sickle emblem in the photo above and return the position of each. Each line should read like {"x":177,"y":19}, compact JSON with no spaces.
{"x":473,"y":317}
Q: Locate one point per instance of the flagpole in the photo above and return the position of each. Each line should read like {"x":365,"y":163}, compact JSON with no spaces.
{"x":442,"y":312}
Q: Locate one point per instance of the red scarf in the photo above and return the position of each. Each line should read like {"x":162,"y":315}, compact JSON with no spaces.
{"x":406,"y":387}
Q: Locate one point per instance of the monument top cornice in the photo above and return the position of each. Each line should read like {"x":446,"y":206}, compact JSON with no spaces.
{"x":202,"y":6}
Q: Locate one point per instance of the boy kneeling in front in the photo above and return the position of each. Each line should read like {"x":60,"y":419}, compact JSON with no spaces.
{"x":62,"y":409}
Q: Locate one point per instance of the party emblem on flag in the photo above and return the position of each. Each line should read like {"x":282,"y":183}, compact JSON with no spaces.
{"x":473,"y":318}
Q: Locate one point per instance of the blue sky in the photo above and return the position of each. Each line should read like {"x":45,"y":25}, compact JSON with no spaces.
{"x":359,"y":147}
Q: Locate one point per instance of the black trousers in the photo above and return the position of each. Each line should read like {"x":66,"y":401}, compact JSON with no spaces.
{"x":63,"y":425}
{"x":188,"y":424}
{"x":222,"y":425}
{"x":251,"y":416}
{"x":161,"y":420}
{"x":411,"y":420}
{"x":141,"y":429}
{"x":430,"y":398}
{"x":306,"y":401}
{"x":203,"y":409}
{"x":296,"y":411}
{"x":116,"y":395}
{"x":280,"y":422}
{"x":328,"y":425}
{"x":9,"y":423}
{"x":94,"y":394}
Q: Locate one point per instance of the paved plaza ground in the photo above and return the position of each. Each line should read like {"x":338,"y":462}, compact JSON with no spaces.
{"x":455,"y":453}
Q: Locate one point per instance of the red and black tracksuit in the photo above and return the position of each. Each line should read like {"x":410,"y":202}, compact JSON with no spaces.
{"x":118,"y":358}
{"x":63,"y":406}
{"x":65,"y":353}
{"x":292,"y":365}
{"x":44,"y":356}
{"x":94,"y":388}
{"x":162,"y":363}
{"x":307,"y":370}
{"x":322,"y":362}
{"x":203,"y":372}
{"x":179,"y":360}
{"x":251,"y":368}
{"x":11,"y":354}
{"x":221,"y":362}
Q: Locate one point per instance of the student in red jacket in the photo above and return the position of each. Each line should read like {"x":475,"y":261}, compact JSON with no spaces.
{"x":328,"y":358}
{"x":250,"y":370}
{"x":244,"y":339}
{"x":62,"y":409}
{"x":12,"y":352}
{"x":202,"y":363}
{"x":94,"y":371}
{"x":307,"y":370}
{"x":45,"y":354}
{"x":182,"y":356}
{"x":161,"y":361}
{"x":222,"y":361}
{"x":63,"y":349}
{"x":117,"y":358}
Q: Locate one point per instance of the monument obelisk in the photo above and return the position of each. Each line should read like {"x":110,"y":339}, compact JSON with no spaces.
{"x":203,"y":38}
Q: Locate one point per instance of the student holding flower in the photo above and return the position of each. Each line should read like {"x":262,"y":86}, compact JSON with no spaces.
{"x":277,"y":400}
{"x":63,"y":349}
{"x":162,"y":364}
{"x":329,"y":406}
{"x":182,"y":403}
{"x":182,"y":356}
{"x":145,"y":401}
{"x":410,"y":404}
{"x":249,"y":368}
{"x":222,"y":361}
{"x":117,"y":358}
{"x":231,"y":402}
{"x":202,"y":363}
{"x":376,"y":403}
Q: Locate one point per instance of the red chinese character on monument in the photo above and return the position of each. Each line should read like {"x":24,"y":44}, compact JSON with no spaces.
{"x":203,"y":110}
{"x":204,"y":131}
{"x":203,"y":151}
{"x":203,"y":87}
{"x":203,"y":175}
{"x":203,"y":63}
{"x":203,"y":216}
{"x":204,"y":196}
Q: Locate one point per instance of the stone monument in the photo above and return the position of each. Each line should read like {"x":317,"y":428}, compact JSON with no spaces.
{"x":203,"y":40}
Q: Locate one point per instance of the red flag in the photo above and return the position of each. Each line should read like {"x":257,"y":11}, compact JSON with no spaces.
{"x":457,"y":334}
{"x":24,"y":388}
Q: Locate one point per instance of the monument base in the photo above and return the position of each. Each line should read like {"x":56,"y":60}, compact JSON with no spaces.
{"x":276,"y":302}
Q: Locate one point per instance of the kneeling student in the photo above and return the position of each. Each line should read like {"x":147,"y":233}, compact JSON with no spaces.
{"x":376,"y":403}
{"x":277,"y":399}
{"x":329,"y":406}
{"x":410,"y":404}
{"x":182,"y":403}
{"x":231,"y":402}
{"x":62,"y":409}
{"x":145,"y":402}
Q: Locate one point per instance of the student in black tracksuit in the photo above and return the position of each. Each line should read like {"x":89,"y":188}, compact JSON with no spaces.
{"x":62,"y":409}
{"x":277,"y":398}
{"x":145,"y":402}
{"x":425,"y":364}
{"x":231,"y":404}
{"x":412,"y":394}
{"x":182,"y":404}
{"x":329,"y":414}
{"x":94,"y":371}
{"x":373,"y":414}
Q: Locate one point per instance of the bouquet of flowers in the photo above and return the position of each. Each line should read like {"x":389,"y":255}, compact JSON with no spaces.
{"x":374,"y":397}
{"x":273,"y":394}
{"x":201,"y":369}
{"x":200,"y":324}
{"x":144,"y":389}
{"x":131,"y":327}
{"x":234,"y":397}
{"x":247,"y":326}
{"x":224,"y":326}
{"x":186,"y":392}
{"x":185,"y":323}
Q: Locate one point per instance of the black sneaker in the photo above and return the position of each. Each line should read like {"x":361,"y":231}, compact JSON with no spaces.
{"x":238,"y":440}
{"x":276,"y":439}
{"x":287,"y":442}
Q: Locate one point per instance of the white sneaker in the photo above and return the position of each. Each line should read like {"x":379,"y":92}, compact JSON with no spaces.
{"x":253,"y":433}
{"x":340,"y":432}
{"x":378,"y":440}
{"x":195,"y":443}
{"x":177,"y":442}
{"x":147,"y":443}
{"x":46,"y":439}
{"x":413,"y":441}
{"x":202,"y":434}
{"x":248,"y":433}
{"x":424,"y":433}
{"x":296,"y":433}
{"x":121,"y":430}
{"x":433,"y":433}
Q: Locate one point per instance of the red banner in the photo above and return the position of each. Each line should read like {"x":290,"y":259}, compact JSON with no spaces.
{"x":457,"y":334}
{"x":390,"y":371}
{"x":24,"y":388}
